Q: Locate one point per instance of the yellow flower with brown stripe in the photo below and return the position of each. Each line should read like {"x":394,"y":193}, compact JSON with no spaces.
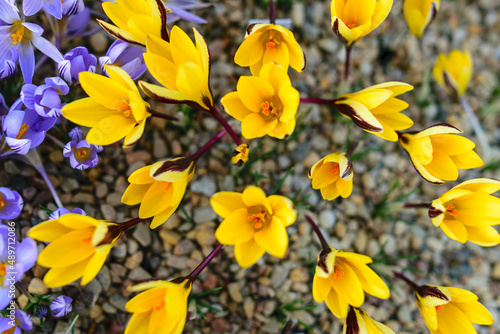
{"x":419,"y":14}
{"x":332,"y":175}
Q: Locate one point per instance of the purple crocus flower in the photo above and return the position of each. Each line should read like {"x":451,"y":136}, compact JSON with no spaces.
{"x":78,"y":23}
{"x":8,"y":65}
{"x":72,"y":7}
{"x":25,"y":129}
{"x":76,"y":134}
{"x":45,"y":99}
{"x":75,"y":61}
{"x":22,"y":36}
{"x":22,"y":321}
{"x":126,"y":56}
{"x":53,"y":7}
{"x":41,"y":312}
{"x":13,"y":269}
{"x":61,"y":306}
{"x":11,"y":203}
{"x":63,"y":211}
{"x":82,"y":155}
{"x":180,"y":9}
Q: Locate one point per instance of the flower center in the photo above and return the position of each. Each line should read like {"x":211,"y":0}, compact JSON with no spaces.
{"x":2,"y":204}
{"x":3,"y":272}
{"x":271,"y":44}
{"x":10,"y":330}
{"x":22,"y":130}
{"x":337,"y":273}
{"x":268,"y":109}
{"x":159,"y":307}
{"x":82,"y":154}
{"x":125,"y":109}
{"x":451,"y":210}
{"x":334,"y":169}
{"x":352,"y":23}
{"x":169,"y":184}
{"x":88,"y":239}
{"x":258,"y":216}
{"x":19,"y":33}
{"x":439,"y":309}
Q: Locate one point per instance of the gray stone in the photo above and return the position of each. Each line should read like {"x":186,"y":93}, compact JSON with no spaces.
{"x":108,"y":212}
{"x":204,"y":185}
{"x":139,"y":274}
{"x":327,"y":218}
{"x":142,"y":234}
{"x":202,"y":215}
{"x":95,"y":289}
{"x":118,"y":301}
{"x":184,"y":247}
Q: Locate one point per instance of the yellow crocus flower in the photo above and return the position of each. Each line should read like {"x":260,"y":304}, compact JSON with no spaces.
{"x":240,"y":155}
{"x":253,"y":223}
{"x":113,"y":110}
{"x":419,"y":14}
{"x":135,"y":19}
{"x":468,"y":211}
{"x":159,"y":188}
{"x":78,"y":247}
{"x":358,"y":322}
{"x":448,"y":310}
{"x":266,"y":105}
{"x":181,"y":67}
{"x":376,"y":109}
{"x":453,"y":71}
{"x":341,"y":279}
{"x":438,"y":152}
{"x":161,"y":309}
{"x":269,"y":43}
{"x":353,"y":19}
{"x":333,"y":176}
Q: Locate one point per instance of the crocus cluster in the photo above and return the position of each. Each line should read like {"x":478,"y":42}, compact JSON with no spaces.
{"x":45,"y":99}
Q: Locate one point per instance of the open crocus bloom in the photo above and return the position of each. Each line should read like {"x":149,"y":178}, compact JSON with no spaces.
{"x":253,"y":223}
{"x":448,"y":310}
{"x":438,"y":152}
{"x":113,"y":110}
{"x":266,"y":105}
{"x":419,"y":14}
{"x":181,"y":68}
{"x":468,"y":211}
{"x":341,"y":279}
{"x":78,"y":247}
{"x":269,"y":43}
{"x":353,"y":19}
{"x":159,"y":188}
{"x":453,"y":71}
{"x":333,"y":176}
{"x":376,"y":109}
{"x":161,"y":309}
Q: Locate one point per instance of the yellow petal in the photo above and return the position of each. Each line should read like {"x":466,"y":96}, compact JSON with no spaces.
{"x":348,"y":285}
{"x":248,"y":253}
{"x":141,"y":176}
{"x":133,"y":136}
{"x":48,"y":231}
{"x":273,"y":238}
{"x":93,"y":268}
{"x":370,"y":281}
{"x":253,"y":196}
{"x":57,"y":277}
{"x":455,"y":230}
{"x":138,"y":323}
{"x":103,"y":90}
{"x":158,"y":198}
{"x":485,"y":236}
{"x":109,"y":130}
{"x":321,"y":288}
{"x":476,"y":312}
{"x":67,"y":250}
{"x":253,"y":91}
{"x":235,"y":229}
{"x":452,"y":320}
{"x":226,"y":202}
{"x":283,"y":208}
{"x":145,"y":301}
{"x":337,"y":305}
{"x":163,"y":216}
{"x":86,"y":112}
{"x":234,"y":106}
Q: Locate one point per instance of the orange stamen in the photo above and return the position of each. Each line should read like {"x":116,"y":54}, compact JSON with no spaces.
{"x":334,"y":169}
{"x":81,"y":152}
{"x":451,"y":210}
{"x":271,"y":44}
{"x":22,"y":131}
{"x":17,"y":36}
{"x":266,"y":107}
{"x":439,"y":309}
{"x":337,"y":272}
{"x":89,"y":239}
{"x":350,"y":24}
{"x":260,"y":218}
{"x":159,"y":307}
{"x":2,"y":204}
{"x":125,"y":109}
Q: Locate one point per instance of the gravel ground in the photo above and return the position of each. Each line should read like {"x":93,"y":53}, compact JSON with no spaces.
{"x":252,"y":300}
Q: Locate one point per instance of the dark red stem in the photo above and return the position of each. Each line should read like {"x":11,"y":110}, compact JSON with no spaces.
{"x":408,"y":281}
{"x":205,"y":262}
{"x":417,"y":205}
{"x":155,"y":113}
{"x":348,"y":50}
{"x":214,"y":112}
{"x":271,"y":11}
{"x":130,"y":223}
{"x":316,"y":101}
{"x":209,"y":144}
{"x":321,"y":238}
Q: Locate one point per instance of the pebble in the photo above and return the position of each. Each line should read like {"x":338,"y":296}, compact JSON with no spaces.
{"x":118,"y":301}
{"x":204,"y":185}
{"x":248,"y":307}
{"x":63,"y":327}
{"x":184,"y":247}
{"x":205,"y":236}
{"x":327,"y":218}
{"x":69,"y":184}
{"x":120,"y":251}
{"x":235,"y":292}
{"x":142,"y":234}
{"x":37,"y":286}
{"x":177,"y":262}
{"x":95,"y":289}
{"x":134,"y":260}
{"x":204,"y":214}
{"x":83,"y":198}
{"x":170,"y":237}
{"x":139,"y":274}
{"x":108,"y":212}
{"x":101,"y":189}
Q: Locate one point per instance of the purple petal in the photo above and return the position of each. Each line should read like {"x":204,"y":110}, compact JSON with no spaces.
{"x":68,"y":149}
{"x":24,"y":320}
{"x":72,"y":7}
{"x":78,"y":23}
{"x":76,"y":134}
{"x":35,"y":29}
{"x":8,"y":69}
{"x":58,"y":84}
{"x":31,"y":7}
{"x":8,"y":12}
{"x":20,"y":146}
{"x":27,"y":253}
{"x":54,"y":8}
{"x":27,"y":62}
{"x":134,"y":68}
{"x":116,"y":49}
{"x":83,"y":143}
{"x":47,"y":48}
{"x":64,"y":68}
{"x":185,"y":15}
{"x":17,"y":105}
{"x":11,"y":123}
{"x":58,"y":213}
{"x":4,"y":302}
{"x":28,"y":95}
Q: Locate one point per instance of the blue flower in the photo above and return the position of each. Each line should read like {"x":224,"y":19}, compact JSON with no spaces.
{"x":76,"y":134}
{"x":75,"y":61}
{"x":45,"y":99}
{"x":53,"y":7}
{"x":128,"y":57}
{"x":26,"y":255}
{"x":24,"y":129}
{"x":41,"y":312}
{"x":72,"y":7}
{"x":78,"y":23}
{"x":61,"y":306}
{"x":22,"y":36}
{"x":63,"y":211}
{"x":11,"y":203}
{"x":82,"y":155}
{"x":23,"y":321}
{"x":8,"y":65}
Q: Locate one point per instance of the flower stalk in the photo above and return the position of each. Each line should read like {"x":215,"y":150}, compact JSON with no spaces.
{"x":215,"y":113}
{"x":209,"y":144}
{"x":348,"y":50}
{"x":408,"y":281}
{"x":321,"y":238}
{"x":155,"y":113}
{"x":476,"y":126}
{"x":314,"y":100}
{"x":272,"y":12}
{"x":205,"y":262}
{"x":417,"y":205}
